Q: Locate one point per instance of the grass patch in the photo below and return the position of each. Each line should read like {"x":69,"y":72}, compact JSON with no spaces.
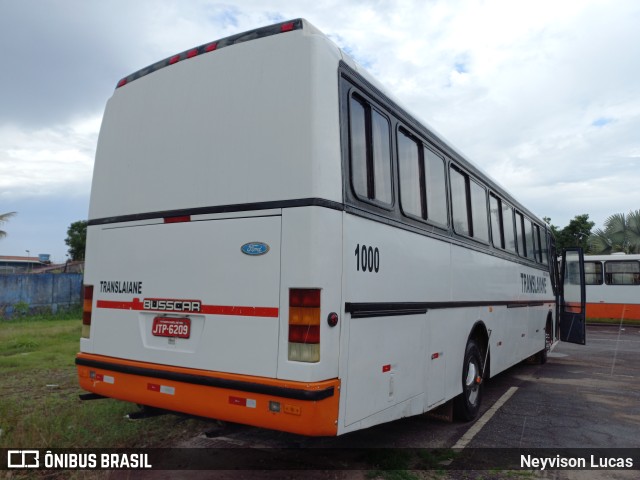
{"x":613,"y":321}
{"x":408,"y":464}
{"x":39,"y":403}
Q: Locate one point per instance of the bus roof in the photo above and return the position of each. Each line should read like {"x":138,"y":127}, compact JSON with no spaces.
{"x":283,"y":27}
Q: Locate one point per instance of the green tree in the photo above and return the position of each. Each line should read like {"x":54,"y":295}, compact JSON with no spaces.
{"x":3,"y":218}
{"x":77,"y":239}
{"x":576,"y":234}
{"x":621,"y":234}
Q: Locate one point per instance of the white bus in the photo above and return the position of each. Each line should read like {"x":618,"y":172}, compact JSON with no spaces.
{"x":274,"y":241}
{"x":613,"y":286}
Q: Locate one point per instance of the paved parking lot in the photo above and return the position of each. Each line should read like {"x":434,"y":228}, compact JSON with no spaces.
{"x":584,"y":397}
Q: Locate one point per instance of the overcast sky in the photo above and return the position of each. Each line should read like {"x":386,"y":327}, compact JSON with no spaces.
{"x":542,"y":95}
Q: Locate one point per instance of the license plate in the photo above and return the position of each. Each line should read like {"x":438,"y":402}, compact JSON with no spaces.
{"x":171,"y":327}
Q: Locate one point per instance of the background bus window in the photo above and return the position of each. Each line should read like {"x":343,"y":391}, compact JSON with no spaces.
{"x":479,"y":211}
{"x":593,"y":273}
{"x":409,"y":162}
{"x":370,"y":152}
{"x":622,"y":273}
{"x":436,"y":184}
{"x":459,"y":202}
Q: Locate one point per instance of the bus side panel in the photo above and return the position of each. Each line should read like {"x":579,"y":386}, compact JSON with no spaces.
{"x":388,"y":358}
{"x":387,"y":363}
{"x":517,"y":329}
{"x":393,"y":361}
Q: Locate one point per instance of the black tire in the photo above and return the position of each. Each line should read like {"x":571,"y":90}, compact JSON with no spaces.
{"x":541,"y":356}
{"x":467,"y":405}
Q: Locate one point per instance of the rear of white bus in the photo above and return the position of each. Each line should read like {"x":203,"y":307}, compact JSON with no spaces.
{"x":213,"y":265}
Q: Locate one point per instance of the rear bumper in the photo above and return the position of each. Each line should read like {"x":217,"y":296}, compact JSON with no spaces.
{"x":296,"y":407}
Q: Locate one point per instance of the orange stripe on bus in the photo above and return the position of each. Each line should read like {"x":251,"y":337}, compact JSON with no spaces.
{"x":137,"y":305}
{"x":613,"y":310}
{"x":315,"y":418}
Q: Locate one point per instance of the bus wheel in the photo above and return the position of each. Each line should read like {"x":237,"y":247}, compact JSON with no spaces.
{"x":467,"y":405}
{"x":541,"y":356}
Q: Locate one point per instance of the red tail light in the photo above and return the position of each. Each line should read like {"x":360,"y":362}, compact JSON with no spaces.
{"x":287,"y":27}
{"x":304,"y":324}
{"x":304,"y":333}
{"x":304,"y":298}
{"x":87,"y":309}
{"x":183,"y":218}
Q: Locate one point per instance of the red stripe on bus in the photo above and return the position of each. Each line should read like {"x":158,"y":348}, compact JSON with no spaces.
{"x":137,"y":305}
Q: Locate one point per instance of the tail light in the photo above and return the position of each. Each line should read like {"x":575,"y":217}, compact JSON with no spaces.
{"x":87,"y":307}
{"x":304,"y":325}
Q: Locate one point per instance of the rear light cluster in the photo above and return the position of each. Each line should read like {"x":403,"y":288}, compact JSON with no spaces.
{"x":87,"y":308}
{"x":304,"y":325}
{"x":217,"y":45}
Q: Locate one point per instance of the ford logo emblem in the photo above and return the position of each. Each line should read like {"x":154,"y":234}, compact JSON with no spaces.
{"x":254,"y":248}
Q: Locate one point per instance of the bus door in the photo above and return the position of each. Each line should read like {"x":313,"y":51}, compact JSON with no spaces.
{"x":572,"y":297}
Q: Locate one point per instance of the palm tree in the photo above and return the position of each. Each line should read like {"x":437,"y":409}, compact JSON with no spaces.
{"x":3,"y":218}
{"x":621,"y":234}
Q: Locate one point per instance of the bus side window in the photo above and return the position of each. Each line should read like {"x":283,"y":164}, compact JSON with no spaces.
{"x":622,"y":272}
{"x":469,"y":206}
{"x":370,"y":152}
{"x":436,"y":184}
{"x":496,"y":222}
{"x":479,"y":211}
{"x":507,"y":228}
{"x":593,"y":273}
{"x":535,"y":234}
{"x":423,"y":189}
{"x":530,"y":241}
{"x":459,"y":204}
{"x":520,"y":234}
{"x":544,"y":249}
{"x":411,"y":173}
